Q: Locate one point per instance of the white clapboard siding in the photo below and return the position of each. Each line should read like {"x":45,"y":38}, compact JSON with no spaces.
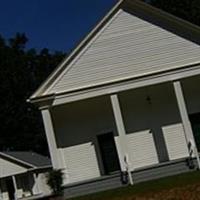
{"x":8,"y":168}
{"x":81,"y":162}
{"x":42,"y":184}
{"x":126,"y":47}
{"x":141,"y":149}
{"x":175,"y":141}
{"x":4,"y":194}
{"x":21,"y":193}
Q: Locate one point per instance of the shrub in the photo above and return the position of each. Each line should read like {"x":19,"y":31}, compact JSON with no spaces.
{"x":55,"y":181}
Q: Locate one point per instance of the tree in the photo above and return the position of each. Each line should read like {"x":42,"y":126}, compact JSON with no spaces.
{"x":21,"y":72}
{"x":185,"y":9}
{"x":55,"y":181}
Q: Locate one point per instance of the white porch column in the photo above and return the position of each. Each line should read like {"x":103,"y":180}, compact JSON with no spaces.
{"x":46,"y":115}
{"x":185,"y":118}
{"x":15,"y":186}
{"x":1,"y":194}
{"x":36,"y":181}
{"x":121,"y":148}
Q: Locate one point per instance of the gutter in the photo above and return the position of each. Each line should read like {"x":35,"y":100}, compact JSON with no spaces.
{"x":39,"y":168}
{"x":42,"y":101}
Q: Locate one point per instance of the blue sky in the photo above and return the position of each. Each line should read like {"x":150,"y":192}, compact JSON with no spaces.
{"x":57,"y":25}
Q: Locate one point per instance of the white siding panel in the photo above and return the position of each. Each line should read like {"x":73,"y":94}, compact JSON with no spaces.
{"x":8,"y":168}
{"x":127,"y":47}
{"x":20,"y":193}
{"x":42,"y":184}
{"x":81,"y":162}
{"x":5,"y":196}
{"x":142,"y":151}
{"x":175,"y":141}
{"x":4,"y":193}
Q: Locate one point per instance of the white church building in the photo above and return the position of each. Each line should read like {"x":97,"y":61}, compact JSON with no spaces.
{"x":126,"y":99}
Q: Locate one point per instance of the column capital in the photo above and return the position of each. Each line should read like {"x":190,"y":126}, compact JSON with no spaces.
{"x":45,"y":107}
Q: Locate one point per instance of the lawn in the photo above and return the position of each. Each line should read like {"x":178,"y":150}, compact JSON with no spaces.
{"x":175,"y":184}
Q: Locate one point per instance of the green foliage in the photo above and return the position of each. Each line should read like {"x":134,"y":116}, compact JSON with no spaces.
{"x":55,"y":181}
{"x":21,"y":72}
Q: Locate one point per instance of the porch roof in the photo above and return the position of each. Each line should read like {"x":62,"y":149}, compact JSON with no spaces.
{"x":29,"y":159}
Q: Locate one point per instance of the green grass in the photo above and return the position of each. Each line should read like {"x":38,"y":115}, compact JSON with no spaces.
{"x":146,"y":187}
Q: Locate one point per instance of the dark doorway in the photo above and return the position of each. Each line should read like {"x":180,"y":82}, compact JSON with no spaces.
{"x":10,"y":189}
{"x":108,"y":153}
{"x":195,"y":122}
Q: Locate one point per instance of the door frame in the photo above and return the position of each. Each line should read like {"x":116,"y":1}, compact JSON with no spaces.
{"x":191,"y":115}
{"x":100,"y":152}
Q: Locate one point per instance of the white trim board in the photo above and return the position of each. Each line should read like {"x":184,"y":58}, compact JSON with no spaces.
{"x":123,"y":86}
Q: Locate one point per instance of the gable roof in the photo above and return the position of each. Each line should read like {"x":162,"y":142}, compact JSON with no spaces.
{"x":133,"y":40}
{"x":28,"y":159}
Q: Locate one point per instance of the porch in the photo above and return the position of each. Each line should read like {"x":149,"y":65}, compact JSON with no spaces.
{"x":150,"y":127}
{"x":19,"y":186}
{"x":113,"y":181}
